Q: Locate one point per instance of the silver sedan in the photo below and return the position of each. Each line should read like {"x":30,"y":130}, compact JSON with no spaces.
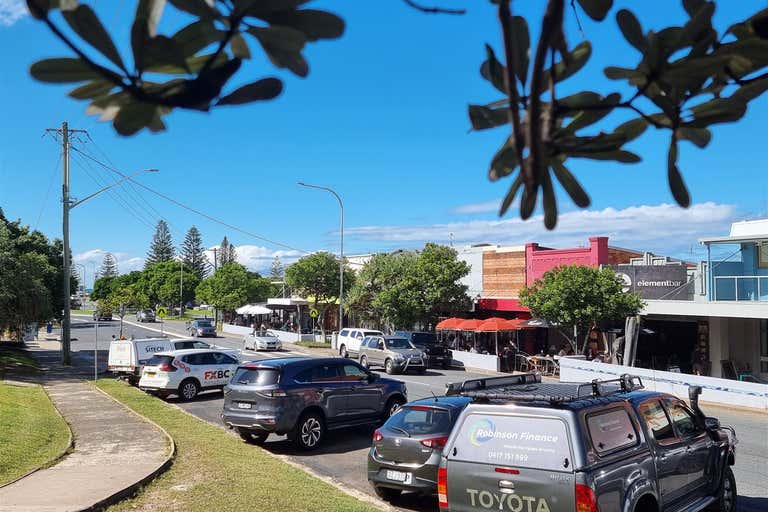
{"x":262,"y":340}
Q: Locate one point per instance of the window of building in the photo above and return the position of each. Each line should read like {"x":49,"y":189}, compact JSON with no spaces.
{"x":763,"y":346}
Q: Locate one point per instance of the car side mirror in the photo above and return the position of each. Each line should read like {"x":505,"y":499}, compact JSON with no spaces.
{"x":711,"y":423}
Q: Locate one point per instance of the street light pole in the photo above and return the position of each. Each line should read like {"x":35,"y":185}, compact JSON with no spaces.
{"x":341,"y":249}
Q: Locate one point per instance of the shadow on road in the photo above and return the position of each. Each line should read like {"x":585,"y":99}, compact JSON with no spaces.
{"x":751,"y":504}
{"x":336,"y":442}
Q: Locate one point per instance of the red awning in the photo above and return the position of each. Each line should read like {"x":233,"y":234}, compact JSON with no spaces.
{"x":469,"y":325}
{"x":494,"y":325}
{"x":449,"y":323}
{"x":502,"y":305}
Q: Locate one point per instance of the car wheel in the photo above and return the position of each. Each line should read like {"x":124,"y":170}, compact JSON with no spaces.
{"x":386,"y":493}
{"x":364,"y":362}
{"x":252,"y":436}
{"x":343,"y":351}
{"x":188,"y":389}
{"x":393,"y":405}
{"x":726,"y":495}
{"x":309,"y":431}
{"x":389,"y":367}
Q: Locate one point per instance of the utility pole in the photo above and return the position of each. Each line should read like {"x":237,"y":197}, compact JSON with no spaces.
{"x":181,"y":289}
{"x":215,"y":268}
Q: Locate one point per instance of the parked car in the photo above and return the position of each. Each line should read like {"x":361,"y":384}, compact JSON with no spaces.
{"x":600,"y":446}
{"x":262,"y":340}
{"x":405,"y":452}
{"x":304,"y":397}
{"x":395,"y":355}
{"x":187,"y":372}
{"x":201,"y":327}
{"x":349,"y":340}
{"x":145,"y":315}
{"x":102,"y":314}
{"x":127,"y":357}
{"x":437,"y":353}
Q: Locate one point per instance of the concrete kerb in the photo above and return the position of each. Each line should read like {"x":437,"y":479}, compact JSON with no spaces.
{"x":66,"y":451}
{"x":133,"y":488}
{"x":284,"y":458}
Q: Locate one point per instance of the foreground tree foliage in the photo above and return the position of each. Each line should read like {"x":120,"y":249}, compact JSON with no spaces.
{"x":232,"y":286}
{"x":683,"y":79}
{"x":576,"y":298}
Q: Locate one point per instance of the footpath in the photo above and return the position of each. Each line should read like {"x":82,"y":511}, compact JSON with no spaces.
{"x":114,"y":449}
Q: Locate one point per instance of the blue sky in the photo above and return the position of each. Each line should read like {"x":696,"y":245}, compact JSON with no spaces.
{"x":382,"y":119}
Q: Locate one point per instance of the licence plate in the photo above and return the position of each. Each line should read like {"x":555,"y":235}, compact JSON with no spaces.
{"x":151,"y":374}
{"x":243,"y":405}
{"x":399,"y":476}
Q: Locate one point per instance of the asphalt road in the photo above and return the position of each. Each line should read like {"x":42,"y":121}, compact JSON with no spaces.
{"x":343,"y":455}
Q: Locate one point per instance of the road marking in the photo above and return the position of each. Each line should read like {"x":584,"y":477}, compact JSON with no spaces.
{"x":155,"y":330}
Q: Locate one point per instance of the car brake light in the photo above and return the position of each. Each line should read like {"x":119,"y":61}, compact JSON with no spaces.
{"x":442,"y":487}
{"x":585,"y":499}
{"x":166,"y":368}
{"x":277,"y":393}
{"x":377,"y":436}
{"x":508,"y":471}
{"x":436,"y":443}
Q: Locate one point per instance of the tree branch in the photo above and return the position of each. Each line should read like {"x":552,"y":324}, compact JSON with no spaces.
{"x":505,"y":18}
{"x":434,"y":10}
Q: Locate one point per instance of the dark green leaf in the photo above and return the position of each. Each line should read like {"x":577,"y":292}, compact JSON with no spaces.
{"x":718,"y":110}
{"x":672,"y":38}
{"x":549,"y":201}
{"x":701,"y":22}
{"x":196,"y":36}
{"x":38,"y":8}
{"x":63,"y":70}
{"x":312,"y":23}
{"x":493,"y":71}
{"x":632,"y":30}
{"x":623,"y":156}
{"x":688,"y":72}
{"x":760,"y":26}
{"x":570,"y":184}
{"x":283,"y":46}
{"x":578,"y":57}
{"x":92,"y":90}
{"x":108,"y":106}
{"x":198,"y":8}
{"x":751,"y":90}
{"x":591,"y":116}
{"x":632,"y":129}
{"x":264,"y":89}
{"x":260,"y":8}
{"x":88,"y":26}
{"x":239,"y":47}
{"x":134,"y":116}
{"x":161,"y":50}
{"x":194,"y":65}
{"x":699,"y":136}
{"x":691,"y":6}
{"x":676,"y":183}
{"x":504,"y":161}
{"x":483,"y":118}
{"x":528,"y":201}
{"x":616,"y":73}
{"x":579,"y":100}
{"x":511,"y":193}
{"x":596,"y":9}
{"x":521,"y":45}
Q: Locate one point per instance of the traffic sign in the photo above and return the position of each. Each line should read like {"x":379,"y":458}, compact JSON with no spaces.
{"x":162,"y":311}
{"x":313,"y":313}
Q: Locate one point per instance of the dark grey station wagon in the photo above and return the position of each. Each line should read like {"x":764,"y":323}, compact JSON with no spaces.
{"x":304,"y":397}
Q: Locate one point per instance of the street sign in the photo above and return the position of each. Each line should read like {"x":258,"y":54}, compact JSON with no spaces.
{"x":162,"y":311}
{"x":313,"y":313}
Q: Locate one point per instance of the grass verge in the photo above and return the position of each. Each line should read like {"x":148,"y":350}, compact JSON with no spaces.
{"x":216,"y":471}
{"x":32,"y":433}
{"x":313,"y":344}
{"x":15,"y":360}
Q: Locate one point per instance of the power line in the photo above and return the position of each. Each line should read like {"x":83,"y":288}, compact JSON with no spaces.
{"x":48,"y":192}
{"x":193,"y":210}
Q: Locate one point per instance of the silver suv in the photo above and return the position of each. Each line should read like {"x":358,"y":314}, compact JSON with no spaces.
{"x":395,"y":354}
{"x":524,"y":445}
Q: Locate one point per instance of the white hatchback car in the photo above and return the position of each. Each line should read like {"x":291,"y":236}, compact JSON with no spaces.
{"x":262,"y":340}
{"x":187,"y":372}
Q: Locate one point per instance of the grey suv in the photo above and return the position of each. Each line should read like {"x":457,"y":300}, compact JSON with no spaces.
{"x":601,"y":446}
{"x":395,"y":354}
{"x":306,"y":396}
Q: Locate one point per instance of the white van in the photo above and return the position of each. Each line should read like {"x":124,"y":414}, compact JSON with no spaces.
{"x":127,"y":357}
{"x":349,"y":340}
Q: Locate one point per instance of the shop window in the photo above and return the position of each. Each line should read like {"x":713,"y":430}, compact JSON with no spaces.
{"x":763,"y":346}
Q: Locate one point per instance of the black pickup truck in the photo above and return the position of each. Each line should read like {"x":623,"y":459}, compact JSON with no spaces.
{"x":437,"y":353}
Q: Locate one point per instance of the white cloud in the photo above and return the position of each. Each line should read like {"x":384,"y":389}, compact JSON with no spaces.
{"x":483,"y":207}
{"x":259,"y":258}
{"x":663,"y":228}
{"x":93,"y":258}
{"x":12,"y":11}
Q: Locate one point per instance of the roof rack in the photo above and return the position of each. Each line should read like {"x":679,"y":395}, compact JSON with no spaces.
{"x":528,"y":387}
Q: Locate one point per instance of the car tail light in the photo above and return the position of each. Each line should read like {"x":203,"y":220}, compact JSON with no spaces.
{"x":442,"y":487}
{"x":377,"y":436}
{"x":277,"y":393}
{"x":165,"y":367}
{"x":585,"y":499}
{"x":507,"y":471}
{"x":436,"y":443}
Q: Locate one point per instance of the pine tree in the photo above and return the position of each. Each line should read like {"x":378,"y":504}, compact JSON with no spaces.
{"x":232,"y":254}
{"x":108,"y":266}
{"x":162,"y":245}
{"x":277,"y":269}
{"x":227,"y":253}
{"x":192,"y":253}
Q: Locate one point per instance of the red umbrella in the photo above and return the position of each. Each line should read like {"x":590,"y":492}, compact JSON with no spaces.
{"x":494,"y":325}
{"x":449,"y":323}
{"x":469,"y":325}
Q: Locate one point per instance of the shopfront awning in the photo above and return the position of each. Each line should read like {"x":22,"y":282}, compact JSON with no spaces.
{"x":449,"y":324}
{"x":253,"y":309}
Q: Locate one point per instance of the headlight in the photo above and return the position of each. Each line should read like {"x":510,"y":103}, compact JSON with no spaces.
{"x":399,"y":357}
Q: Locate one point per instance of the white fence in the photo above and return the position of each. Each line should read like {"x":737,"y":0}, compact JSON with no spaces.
{"x":714,"y":390}
{"x":487,"y":362}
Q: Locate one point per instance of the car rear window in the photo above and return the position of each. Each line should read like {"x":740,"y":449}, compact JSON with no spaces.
{"x":420,"y":420}
{"x":398,"y":343}
{"x":159,"y":360}
{"x":423,"y":338}
{"x":522,"y":441}
{"x":611,"y":430}
{"x":372,"y":333}
{"x":256,"y":376}
{"x":204,"y":323}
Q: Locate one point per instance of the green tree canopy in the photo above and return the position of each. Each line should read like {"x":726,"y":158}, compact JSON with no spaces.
{"x":580,"y":296}
{"x":230,"y":287}
{"x":162,"y":283}
{"x":161,"y":248}
{"x":193,"y":253}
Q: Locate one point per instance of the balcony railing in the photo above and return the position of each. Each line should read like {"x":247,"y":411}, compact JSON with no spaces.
{"x":741,"y":288}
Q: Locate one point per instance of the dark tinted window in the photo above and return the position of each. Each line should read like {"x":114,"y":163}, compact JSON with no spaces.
{"x":398,"y":343}
{"x":344,"y":332}
{"x":203,"y":323}
{"x":159,"y":360}
{"x":610,"y":430}
{"x":320,"y":373}
{"x":682,"y":418}
{"x":419,"y":420}
{"x":423,"y":338}
{"x":220,"y":358}
{"x":194,"y":359}
{"x":256,"y":376}
{"x":654,"y":415}
{"x":372,"y":342}
{"x":180,"y":345}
